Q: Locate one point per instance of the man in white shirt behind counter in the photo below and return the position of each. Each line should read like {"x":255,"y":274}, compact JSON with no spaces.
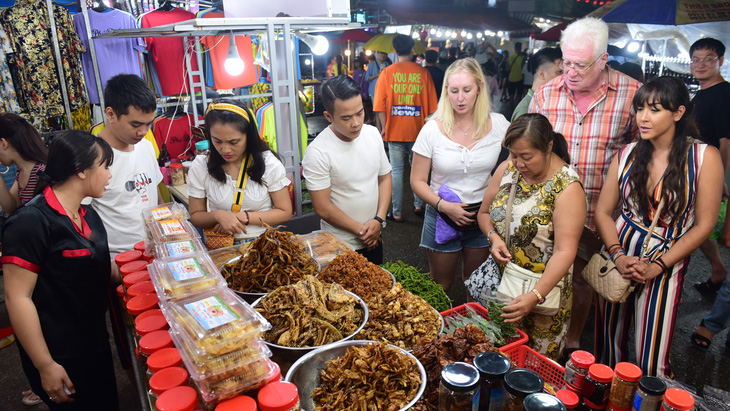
{"x":348,"y":173}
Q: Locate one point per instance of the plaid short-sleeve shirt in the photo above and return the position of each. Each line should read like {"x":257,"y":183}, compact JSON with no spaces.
{"x":594,"y":137}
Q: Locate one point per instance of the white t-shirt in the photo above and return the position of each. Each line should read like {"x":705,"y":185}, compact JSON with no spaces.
{"x":350,"y":170}
{"x":465,"y":170}
{"x":132,"y":188}
{"x":256,"y":196}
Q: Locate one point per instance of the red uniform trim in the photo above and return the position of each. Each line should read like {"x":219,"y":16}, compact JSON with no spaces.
{"x":82,"y":252}
{"x":21,"y":263}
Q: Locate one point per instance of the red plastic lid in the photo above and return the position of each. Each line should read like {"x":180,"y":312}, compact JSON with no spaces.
{"x":175,"y":165}
{"x":627,"y":371}
{"x":148,"y":257}
{"x":133,"y":266}
{"x":150,"y":324}
{"x":120,"y":290}
{"x":615,"y":408}
{"x":240,"y":403}
{"x":177,"y":399}
{"x":139,"y":246}
{"x":136,"y":277}
{"x":146,"y":314}
{"x":142,"y":303}
{"x":679,"y":399}
{"x":164,"y":358}
{"x":156,"y":340}
{"x":127,"y":257}
{"x":567,"y":397}
{"x":278,"y":396}
{"x":582,"y":359}
{"x":600,"y":372}
{"x":145,"y":287}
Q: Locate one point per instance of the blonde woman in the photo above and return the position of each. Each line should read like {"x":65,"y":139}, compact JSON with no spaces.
{"x":460,"y":146}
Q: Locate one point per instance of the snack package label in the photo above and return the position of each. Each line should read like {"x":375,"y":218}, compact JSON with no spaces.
{"x":172,"y":227}
{"x":180,"y":248}
{"x":161,"y":213}
{"x":211,"y":312}
{"x":186,"y":269}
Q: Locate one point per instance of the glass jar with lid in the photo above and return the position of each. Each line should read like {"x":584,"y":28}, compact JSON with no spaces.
{"x":625,"y":381}
{"x":165,"y":380}
{"x":677,"y":399}
{"x":279,"y":396}
{"x":570,"y":399}
{"x":492,"y":367}
{"x":576,"y":369}
{"x":202,"y":148}
{"x":542,"y":402}
{"x":597,"y":386}
{"x":240,"y":403}
{"x":518,"y":384}
{"x":178,"y":399}
{"x":177,"y":174}
{"x":459,"y":387}
{"x":650,"y":394}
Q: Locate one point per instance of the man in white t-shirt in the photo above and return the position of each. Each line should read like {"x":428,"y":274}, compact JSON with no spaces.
{"x":130,"y":109}
{"x":348,"y":173}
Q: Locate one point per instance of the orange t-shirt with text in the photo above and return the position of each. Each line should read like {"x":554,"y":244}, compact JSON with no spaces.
{"x":406,"y":94}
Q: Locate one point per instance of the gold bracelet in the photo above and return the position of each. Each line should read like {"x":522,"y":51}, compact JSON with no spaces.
{"x":540,"y":299}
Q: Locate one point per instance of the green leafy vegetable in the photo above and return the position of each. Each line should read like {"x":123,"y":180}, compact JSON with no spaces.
{"x":495,"y":314}
{"x":419,"y":284}
{"x":495,"y":329}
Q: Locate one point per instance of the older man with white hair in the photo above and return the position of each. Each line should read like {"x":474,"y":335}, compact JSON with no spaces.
{"x":589,"y":104}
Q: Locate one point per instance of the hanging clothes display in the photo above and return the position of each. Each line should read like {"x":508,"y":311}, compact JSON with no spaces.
{"x":114,"y":55}
{"x":267,"y":128}
{"x":174,"y":131}
{"x":168,"y":53}
{"x":217,"y":47}
{"x":8,"y":98}
{"x":28,"y":28}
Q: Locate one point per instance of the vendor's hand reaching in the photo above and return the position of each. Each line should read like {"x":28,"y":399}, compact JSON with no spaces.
{"x":499,"y":250}
{"x":53,"y":378}
{"x":370,"y":234}
{"x":229,"y":223}
{"x":519,"y":307}
{"x":456,"y":213}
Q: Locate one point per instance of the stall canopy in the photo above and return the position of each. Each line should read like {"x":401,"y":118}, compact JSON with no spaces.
{"x":479,"y":19}
{"x":553,"y":33}
{"x":355,"y":35}
{"x":664,"y":12}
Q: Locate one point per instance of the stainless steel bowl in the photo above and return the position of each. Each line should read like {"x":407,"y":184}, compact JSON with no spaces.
{"x":294,"y":353}
{"x":391,"y":276}
{"x":305,"y":372}
{"x":251,"y":297}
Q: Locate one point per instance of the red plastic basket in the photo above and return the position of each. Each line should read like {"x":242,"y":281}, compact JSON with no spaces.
{"x":512,"y":342}
{"x":526,"y":357}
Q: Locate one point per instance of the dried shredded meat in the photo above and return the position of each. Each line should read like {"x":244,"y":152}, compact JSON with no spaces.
{"x":358,"y":275}
{"x":376,"y":376}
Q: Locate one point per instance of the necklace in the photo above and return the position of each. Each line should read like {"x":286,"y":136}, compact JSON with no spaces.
{"x":73,"y":214}
{"x":462,"y":130}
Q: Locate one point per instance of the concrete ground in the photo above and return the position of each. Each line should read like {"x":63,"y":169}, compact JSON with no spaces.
{"x":692,"y":366}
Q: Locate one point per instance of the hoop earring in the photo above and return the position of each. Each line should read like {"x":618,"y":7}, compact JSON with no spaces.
{"x":7,"y":169}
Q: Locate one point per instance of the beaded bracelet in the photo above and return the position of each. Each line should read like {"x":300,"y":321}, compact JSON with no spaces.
{"x":613,"y":247}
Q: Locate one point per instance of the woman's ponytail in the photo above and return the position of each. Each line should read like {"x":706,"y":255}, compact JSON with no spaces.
{"x":560,"y":147}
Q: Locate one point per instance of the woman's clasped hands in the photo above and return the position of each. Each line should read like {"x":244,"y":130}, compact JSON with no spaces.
{"x":639,"y":270}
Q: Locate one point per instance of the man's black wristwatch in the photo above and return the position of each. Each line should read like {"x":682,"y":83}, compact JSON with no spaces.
{"x":380,"y":220}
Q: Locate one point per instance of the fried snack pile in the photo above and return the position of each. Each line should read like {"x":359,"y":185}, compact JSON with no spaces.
{"x":358,"y":275}
{"x":372,"y":377}
{"x":400,"y":318}
{"x":309,"y":314}
{"x":273,"y":260}
{"x":463,"y":345}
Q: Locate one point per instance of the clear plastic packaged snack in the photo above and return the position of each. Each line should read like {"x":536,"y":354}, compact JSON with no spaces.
{"x":253,"y":377}
{"x":216,"y":321}
{"x":185,"y":275}
{"x":166,"y":211}
{"x":162,"y":231}
{"x":221,"y":367}
{"x":179,"y":248}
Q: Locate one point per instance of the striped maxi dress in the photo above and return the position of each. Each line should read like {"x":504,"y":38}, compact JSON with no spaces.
{"x":652,"y":307}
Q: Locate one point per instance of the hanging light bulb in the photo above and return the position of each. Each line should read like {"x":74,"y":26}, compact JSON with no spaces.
{"x":479,"y":34}
{"x":368,"y":52}
{"x":233,"y":64}
{"x":439,"y":33}
{"x":453,"y":35}
{"x":318,"y":44}
{"x":448,"y":33}
{"x":348,"y":52}
{"x":432,"y":31}
{"x":415,"y":35}
{"x":469,"y":36}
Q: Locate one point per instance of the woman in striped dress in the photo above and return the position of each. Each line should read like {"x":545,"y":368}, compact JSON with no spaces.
{"x":666,"y":163}
{"x":20,"y":144}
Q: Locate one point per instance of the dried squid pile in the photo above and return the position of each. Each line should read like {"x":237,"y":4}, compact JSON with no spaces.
{"x":358,"y":275}
{"x":400,"y":318}
{"x":463,"y":345}
{"x":376,"y":376}
{"x":273,"y":260}
{"x":310,"y":313}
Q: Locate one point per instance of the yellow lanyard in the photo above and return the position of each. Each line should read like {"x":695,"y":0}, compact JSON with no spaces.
{"x":242,"y":179}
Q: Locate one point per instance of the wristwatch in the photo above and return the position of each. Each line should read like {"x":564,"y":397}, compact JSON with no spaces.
{"x":380,"y":220}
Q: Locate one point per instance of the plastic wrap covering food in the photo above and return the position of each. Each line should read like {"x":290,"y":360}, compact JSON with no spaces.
{"x":184,"y":276}
{"x":400,"y":318}
{"x":223,"y":255}
{"x":358,"y":275}
{"x":324,"y":247}
{"x":253,"y":376}
{"x":219,"y":367}
{"x":167,"y":211}
{"x":216,"y":321}
{"x":179,"y":248}
{"x":163,"y":231}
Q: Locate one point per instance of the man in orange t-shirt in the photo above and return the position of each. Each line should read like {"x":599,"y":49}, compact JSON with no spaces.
{"x":404,"y":97}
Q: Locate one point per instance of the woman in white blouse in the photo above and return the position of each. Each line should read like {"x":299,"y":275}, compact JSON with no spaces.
{"x":240,"y":163}
{"x":460,"y":146}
